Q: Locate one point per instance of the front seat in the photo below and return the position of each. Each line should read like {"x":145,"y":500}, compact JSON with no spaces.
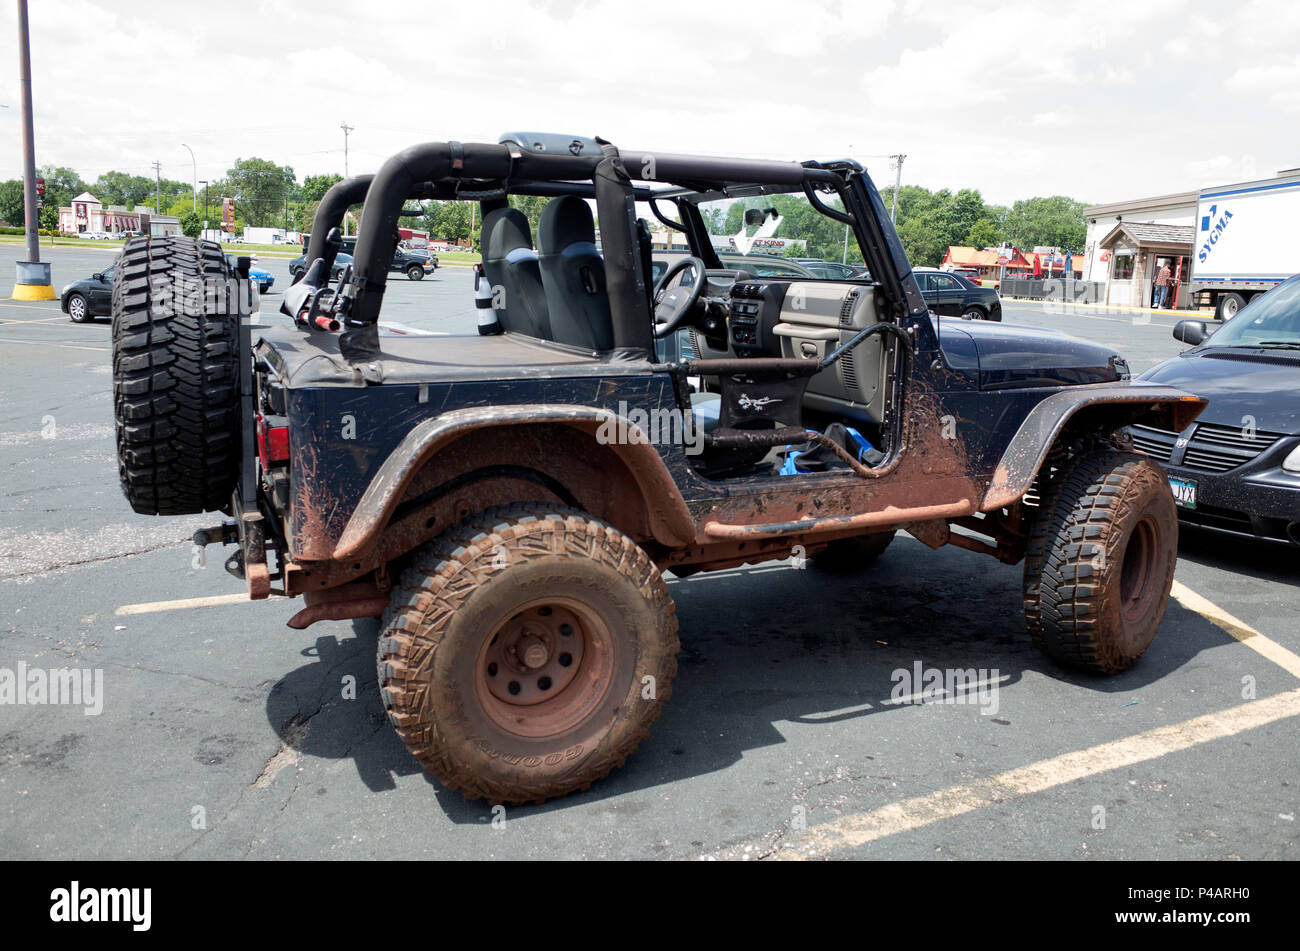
{"x":573,"y":274}
{"x":510,"y":263}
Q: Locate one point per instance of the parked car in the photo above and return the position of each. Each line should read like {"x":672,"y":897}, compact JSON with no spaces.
{"x":258,"y":275}
{"x":970,"y":273}
{"x":756,"y":265}
{"x":415,"y":264}
{"x":1236,"y":469}
{"x":832,"y":270}
{"x":88,"y":298}
{"x":950,"y":295}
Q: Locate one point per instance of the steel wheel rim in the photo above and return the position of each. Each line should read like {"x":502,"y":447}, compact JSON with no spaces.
{"x":1138,"y":569}
{"x":535,"y":679}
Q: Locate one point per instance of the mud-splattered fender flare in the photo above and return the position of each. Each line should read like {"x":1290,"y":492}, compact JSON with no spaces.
{"x":669,"y":517}
{"x":1164,"y":406}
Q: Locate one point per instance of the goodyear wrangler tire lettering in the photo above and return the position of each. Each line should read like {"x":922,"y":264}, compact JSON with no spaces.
{"x":517,"y":678}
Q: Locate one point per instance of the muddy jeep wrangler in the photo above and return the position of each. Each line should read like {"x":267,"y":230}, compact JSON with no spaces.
{"x":508,"y":500}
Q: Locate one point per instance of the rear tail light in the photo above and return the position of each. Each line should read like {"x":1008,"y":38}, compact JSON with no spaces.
{"x":272,"y":440}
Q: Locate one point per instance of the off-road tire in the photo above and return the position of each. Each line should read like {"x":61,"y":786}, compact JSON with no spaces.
{"x":852,"y":554}
{"x":175,"y":389}
{"x":463,"y":591}
{"x":1100,"y":562}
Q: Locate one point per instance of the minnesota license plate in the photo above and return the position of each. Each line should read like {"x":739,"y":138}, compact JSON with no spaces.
{"x":1184,"y":492}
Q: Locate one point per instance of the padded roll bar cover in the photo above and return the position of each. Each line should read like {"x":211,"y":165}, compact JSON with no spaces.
{"x":656,"y":166}
{"x":329,"y":214}
{"x":629,"y":293}
{"x":403,"y":175}
{"x":574,"y":275}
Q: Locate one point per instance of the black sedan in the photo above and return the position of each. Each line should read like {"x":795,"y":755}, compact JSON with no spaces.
{"x":951,"y":295}
{"x":1236,"y":469}
{"x":89,"y":298}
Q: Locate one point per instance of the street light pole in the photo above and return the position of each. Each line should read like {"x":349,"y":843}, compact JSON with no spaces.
{"x":32,"y":278}
{"x":205,"y":208}
{"x":195,"y":206}
{"x":30,"y":221}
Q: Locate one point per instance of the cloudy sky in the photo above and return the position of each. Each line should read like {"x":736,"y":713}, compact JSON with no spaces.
{"x":1099,"y":101}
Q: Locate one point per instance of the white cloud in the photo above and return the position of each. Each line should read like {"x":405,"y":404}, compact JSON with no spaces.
{"x":1099,"y":101}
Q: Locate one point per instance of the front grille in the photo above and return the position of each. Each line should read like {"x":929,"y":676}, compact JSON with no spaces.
{"x":1212,"y":448}
{"x":1156,"y":443}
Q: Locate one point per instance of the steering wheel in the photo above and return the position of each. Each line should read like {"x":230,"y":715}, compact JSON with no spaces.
{"x":674,"y":305}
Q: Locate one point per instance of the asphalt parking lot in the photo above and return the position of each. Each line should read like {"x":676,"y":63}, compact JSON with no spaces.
{"x":224,"y":734}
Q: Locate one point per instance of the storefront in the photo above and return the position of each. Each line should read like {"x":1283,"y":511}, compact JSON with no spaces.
{"x":1133,"y":253}
{"x":87,"y":214}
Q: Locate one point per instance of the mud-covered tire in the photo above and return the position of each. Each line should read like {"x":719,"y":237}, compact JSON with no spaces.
{"x":1100,"y":562}
{"x":852,"y":554}
{"x":461,"y":606}
{"x":175,"y":388}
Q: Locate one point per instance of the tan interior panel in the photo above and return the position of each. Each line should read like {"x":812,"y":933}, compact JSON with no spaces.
{"x":817,"y":317}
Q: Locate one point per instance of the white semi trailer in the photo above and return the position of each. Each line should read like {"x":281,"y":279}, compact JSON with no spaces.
{"x":1245,"y":242}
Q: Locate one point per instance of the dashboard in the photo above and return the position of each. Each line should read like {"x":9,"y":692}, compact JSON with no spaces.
{"x":742,"y":316}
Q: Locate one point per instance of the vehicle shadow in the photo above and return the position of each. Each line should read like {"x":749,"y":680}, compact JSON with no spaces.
{"x":1261,"y":560}
{"x":798,"y":646}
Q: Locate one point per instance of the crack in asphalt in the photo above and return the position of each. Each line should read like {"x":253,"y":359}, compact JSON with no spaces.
{"x":36,"y":572}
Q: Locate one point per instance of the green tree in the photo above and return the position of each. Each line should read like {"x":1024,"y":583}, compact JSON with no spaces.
{"x":1053,"y":222}
{"x":119,"y":188}
{"x":532,"y":206}
{"x":260,"y":189}
{"x":11,"y":203}
{"x":314,"y":187}
{"x":984,"y":234}
{"x":191,"y":224}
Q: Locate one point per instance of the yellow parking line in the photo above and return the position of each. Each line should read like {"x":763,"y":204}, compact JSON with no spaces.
{"x":5,"y":305}
{"x":47,"y":343}
{"x":1239,"y":629}
{"x":152,"y":607}
{"x":857,"y":830}
{"x":36,"y":320}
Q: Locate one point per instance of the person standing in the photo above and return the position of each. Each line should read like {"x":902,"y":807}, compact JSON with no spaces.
{"x":1164,"y":277}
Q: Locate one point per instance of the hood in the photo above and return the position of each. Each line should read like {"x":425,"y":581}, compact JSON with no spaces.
{"x":1014,"y":356}
{"x":1240,"y":384}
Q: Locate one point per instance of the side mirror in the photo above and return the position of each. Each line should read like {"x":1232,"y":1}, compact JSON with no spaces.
{"x":97,"y":276}
{"x":1190,"y":331}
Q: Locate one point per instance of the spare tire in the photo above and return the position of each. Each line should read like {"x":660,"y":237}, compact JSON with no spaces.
{"x":175,"y":379}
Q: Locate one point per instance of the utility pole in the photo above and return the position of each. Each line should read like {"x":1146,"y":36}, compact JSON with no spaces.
{"x":195,"y":207}
{"x":346,"y":129}
{"x":157,"y":194}
{"x":897,"y":162}
{"x":32,"y":278}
